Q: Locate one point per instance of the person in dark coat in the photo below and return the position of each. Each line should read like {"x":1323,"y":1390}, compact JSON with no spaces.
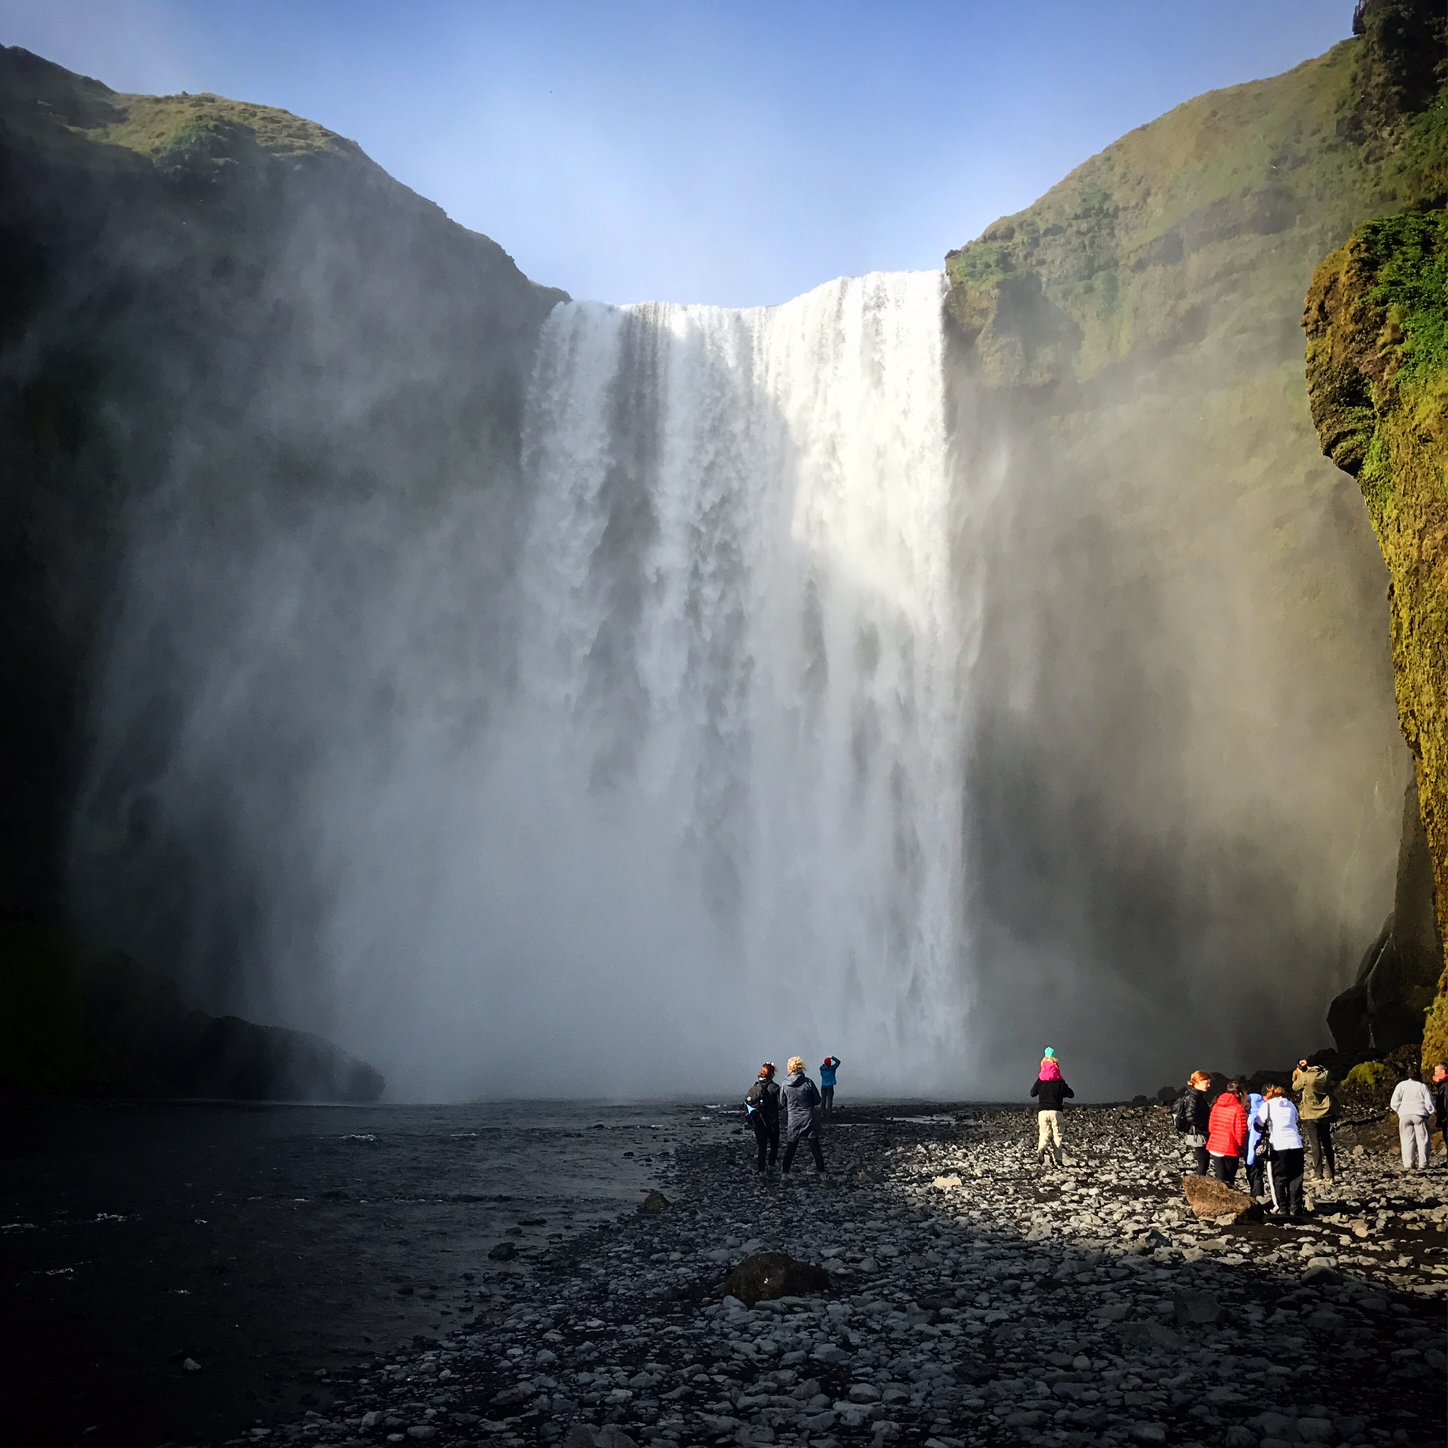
{"x":762,"y":1104}
{"x":1050,"y":1091}
{"x":801,"y":1116}
{"x":1193,"y":1118}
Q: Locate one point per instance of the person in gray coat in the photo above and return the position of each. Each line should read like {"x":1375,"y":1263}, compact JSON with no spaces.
{"x":800,"y":1099}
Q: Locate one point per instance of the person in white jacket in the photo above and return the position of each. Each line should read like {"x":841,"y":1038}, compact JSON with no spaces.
{"x":1413,"y":1103}
{"x":1276,"y":1119}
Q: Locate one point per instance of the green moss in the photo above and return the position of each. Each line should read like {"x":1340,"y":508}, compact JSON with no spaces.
{"x":154,"y":126}
{"x":1375,"y":319}
{"x":74,"y":120}
{"x":1372,"y":1074}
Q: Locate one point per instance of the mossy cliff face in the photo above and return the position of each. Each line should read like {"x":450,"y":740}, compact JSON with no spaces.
{"x":1189,"y":777}
{"x":1374,"y":318}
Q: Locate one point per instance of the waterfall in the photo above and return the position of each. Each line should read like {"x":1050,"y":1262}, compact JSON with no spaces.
{"x":738,"y":709}
{"x":617,"y":776}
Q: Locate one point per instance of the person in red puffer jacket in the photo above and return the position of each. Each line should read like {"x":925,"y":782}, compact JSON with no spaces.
{"x":1227,"y":1133}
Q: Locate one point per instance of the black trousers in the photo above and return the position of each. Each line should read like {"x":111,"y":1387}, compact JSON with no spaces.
{"x":1284,"y":1180}
{"x":1224,"y":1168}
{"x":1199,"y":1159}
{"x":792,"y":1146}
{"x":766,"y":1138}
{"x":1255,"y":1182}
{"x":827,"y":1097}
{"x":1317,"y":1138}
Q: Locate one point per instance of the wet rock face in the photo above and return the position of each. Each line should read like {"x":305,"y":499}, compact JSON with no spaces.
{"x":103,"y":1025}
{"x":1374,"y":319}
{"x":768,"y":1276}
{"x":163,"y":1048}
{"x":1397,"y":981}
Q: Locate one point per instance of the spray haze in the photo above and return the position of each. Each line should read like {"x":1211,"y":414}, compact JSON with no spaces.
{"x":789,"y":693}
{"x":546,"y":697}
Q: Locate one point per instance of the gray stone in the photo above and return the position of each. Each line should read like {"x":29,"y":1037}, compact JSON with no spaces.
{"x":1195,"y":1309}
{"x":1024,"y":1418}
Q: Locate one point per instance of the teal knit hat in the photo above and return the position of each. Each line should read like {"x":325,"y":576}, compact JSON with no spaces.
{"x":1050,"y":1050}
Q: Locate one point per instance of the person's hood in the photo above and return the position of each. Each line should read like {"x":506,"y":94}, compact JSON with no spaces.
{"x":798,"y":1077}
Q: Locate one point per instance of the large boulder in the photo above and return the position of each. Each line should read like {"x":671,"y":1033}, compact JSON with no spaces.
{"x":1209,"y":1198}
{"x":768,"y":1275}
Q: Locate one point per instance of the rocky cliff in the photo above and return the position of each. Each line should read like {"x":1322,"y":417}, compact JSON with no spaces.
{"x":1375,"y":372}
{"x":1127,"y":357}
{"x":220,"y":326}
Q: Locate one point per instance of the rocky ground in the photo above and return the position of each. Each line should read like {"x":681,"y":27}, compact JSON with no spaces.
{"x":1025,"y":1305}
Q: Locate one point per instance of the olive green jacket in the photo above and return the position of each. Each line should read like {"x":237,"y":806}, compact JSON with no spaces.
{"x":1311,"y":1086}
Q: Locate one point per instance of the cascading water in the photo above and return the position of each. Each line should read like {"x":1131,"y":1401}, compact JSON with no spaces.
{"x":628,"y":777}
{"x":737,"y":731}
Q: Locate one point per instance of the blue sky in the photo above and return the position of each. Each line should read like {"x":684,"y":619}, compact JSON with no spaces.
{"x":736,"y":153}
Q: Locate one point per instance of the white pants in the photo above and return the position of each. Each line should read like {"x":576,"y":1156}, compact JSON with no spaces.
{"x":1048,"y":1125}
{"x":1413,"y":1138}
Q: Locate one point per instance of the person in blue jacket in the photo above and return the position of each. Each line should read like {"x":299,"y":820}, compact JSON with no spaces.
{"x":830,"y":1065}
{"x":1255,"y":1182}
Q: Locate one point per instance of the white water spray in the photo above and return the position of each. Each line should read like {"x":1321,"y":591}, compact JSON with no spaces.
{"x":737,"y":732}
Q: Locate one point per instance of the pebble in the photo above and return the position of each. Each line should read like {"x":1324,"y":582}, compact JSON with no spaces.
{"x":970,"y":1287}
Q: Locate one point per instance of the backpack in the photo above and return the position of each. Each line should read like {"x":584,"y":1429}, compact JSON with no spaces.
{"x":1184,"y":1118}
{"x":754,"y":1098}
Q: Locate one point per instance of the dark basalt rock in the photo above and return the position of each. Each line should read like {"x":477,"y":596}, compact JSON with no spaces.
{"x":1383,"y":1009}
{"x":768,"y":1275}
{"x":75,"y":1022}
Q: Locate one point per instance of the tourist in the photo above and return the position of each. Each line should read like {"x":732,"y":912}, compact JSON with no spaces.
{"x":1282,"y":1139}
{"x":1314,"y":1108}
{"x":762,"y":1104}
{"x":1253,"y":1156}
{"x":1227,"y":1133}
{"x":1050,"y":1092}
{"x":1413,"y":1104}
{"x":829,"y":1066}
{"x":1440,"y":1107}
{"x":801,"y":1112}
{"x":1193,"y":1116}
